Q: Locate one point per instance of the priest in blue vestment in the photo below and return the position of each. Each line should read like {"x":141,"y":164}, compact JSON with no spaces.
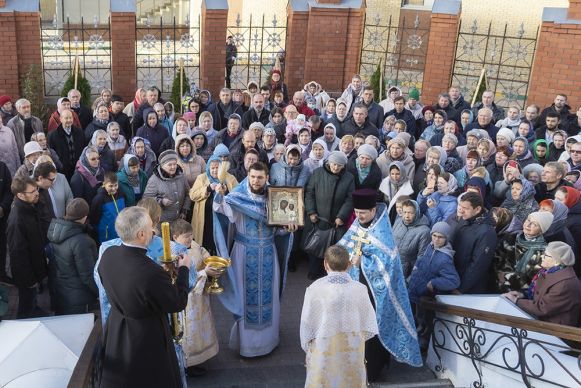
{"x":376,"y":264}
{"x":259,"y":253}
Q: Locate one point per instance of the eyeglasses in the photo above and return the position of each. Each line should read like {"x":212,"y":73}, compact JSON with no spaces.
{"x":575,"y":152}
{"x":31,"y":192}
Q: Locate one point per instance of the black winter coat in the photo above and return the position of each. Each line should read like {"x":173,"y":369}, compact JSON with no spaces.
{"x":351,"y":128}
{"x":5,"y":193}
{"x":74,"y":254}
{"x":329,"y":196}
{"x":250,"y":116}
{"x":26,"y":245}
{"x":373,"y":179}
{"x":474,"y":252}
{"x":57,"y":140}
{"x":92,"y":127}
{"x":574,"y":226}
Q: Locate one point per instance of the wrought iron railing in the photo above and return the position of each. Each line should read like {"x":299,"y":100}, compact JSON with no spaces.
{"x":160,"y":47}
{"x":527,"y":347}
{"x":61,"y":43}
{"x":259,"y":43}
{"x":400,"y":46}
{"x":507,"y":58}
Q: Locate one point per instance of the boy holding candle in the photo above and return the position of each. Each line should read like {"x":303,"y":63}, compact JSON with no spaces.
{"x":200,"y":342}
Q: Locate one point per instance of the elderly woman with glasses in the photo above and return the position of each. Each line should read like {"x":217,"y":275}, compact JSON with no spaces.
{"x":554,"y":294}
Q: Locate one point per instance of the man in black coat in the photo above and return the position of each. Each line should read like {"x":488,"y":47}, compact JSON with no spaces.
{"x":84,"y":113}
{"x":552,"y":177}
{"x":152,"y":97}
{"x":5,"y":202}
{"x":474,"y":242}
{"x":138,"y":348}
{"x":457,"y":99}
{"x":484,"y":120}
{"x":562,"y":111}
{"x":68,"y":142}
{"x":445,"y":104}
{"x":119,"y":117}
{"x":223,"y":109}
{"x":26,"y":246}
{"x":359,"y":123}
{"x":256,"y":113}
{"x":401,"y":113}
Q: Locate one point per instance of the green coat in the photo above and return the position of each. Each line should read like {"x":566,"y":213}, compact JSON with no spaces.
{"x":127,"y":189}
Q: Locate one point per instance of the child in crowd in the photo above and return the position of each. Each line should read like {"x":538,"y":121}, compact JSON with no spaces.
{"x":336,"y":320}
{"x":105,"y":207}
{"x":434,"y":273}
{"x":292,"y":129}
{"x":200,"y":340}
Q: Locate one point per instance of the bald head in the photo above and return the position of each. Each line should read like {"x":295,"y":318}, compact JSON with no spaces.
{"x":66,"y":118}
{"x":249,"y":139}
{"x":299,"y":98}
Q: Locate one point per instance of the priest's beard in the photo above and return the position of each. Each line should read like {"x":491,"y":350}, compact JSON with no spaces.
{"x":257,"y":191}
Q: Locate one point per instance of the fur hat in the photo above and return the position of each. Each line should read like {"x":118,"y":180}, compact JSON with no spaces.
{"x":544,"y":219}
{"x":367,"y":149}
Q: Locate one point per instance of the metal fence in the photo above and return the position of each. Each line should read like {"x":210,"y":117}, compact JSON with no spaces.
{"x":62,"y":42}
{"x":258,"y":44}
{"x":507,"y":58}
{"x":160,"y":47}
{"x":401,"y":46}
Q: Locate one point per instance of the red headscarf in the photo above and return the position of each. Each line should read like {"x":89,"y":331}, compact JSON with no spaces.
{"x":573,"y":196}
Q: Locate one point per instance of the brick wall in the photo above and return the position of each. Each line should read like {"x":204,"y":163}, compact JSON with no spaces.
{"x":440,"y":56}
{"x":9,"y":73}
{"x":574,"y":10}
{"x":556,"y":66}
{"x":213,"y":49}
{"x":296,"y":44}
{"x":356,"y":24}
{"x":123,"y":63}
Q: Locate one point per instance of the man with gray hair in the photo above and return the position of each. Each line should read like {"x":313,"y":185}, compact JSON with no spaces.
{"x":24,"y":124}
{"x":256,"y":113}
{"x":484,"y":120}
{"x":138,"y":349}
{"x":85,"y":113}
{"x":488,"y":102}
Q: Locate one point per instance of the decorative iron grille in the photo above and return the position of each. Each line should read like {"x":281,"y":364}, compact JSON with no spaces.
{"x":91,"y":43}
{"x":507,"y":59}
{"x":401,"y":48}
{"x":258,"y":47}
{"x":159,"y":49}
{"x":514,"y":350}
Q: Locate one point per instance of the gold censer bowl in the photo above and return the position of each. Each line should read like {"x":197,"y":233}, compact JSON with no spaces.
{"x":220,"y":264}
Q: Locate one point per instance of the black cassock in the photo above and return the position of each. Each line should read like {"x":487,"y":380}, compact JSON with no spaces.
{"x":139,"y":351}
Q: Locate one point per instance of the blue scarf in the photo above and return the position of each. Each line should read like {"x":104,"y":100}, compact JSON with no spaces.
{"x":362,"y":171}
{"x":213,"y":158}
{"x":247,"y":203}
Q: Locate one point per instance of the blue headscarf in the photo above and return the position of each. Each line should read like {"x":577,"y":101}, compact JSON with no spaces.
{"x":213,"y":158}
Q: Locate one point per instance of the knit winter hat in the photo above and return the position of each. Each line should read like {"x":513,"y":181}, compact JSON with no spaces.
{"x":269,"y":131}
{"x":257,"y":124}
{"x":544,"y":219}
{"x":167,"y":156}
{"x":450,"y":136}
{"x":189,"y":116}
{"x":337,"y":157}
{"x":4,"y":99}
{"x":561,"y":252}
{"x":31,"y":147}
{"x":367,"y":149}
{"x":221,"y":150}
{"x":442,"y":228}
{"x":414,"y":93}
{"x":507,"y":134}
{"x":76,"y":209}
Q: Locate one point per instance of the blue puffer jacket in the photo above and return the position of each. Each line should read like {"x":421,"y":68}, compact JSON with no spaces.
{"x":104,"y":211}
{"x":411,"y":240}
{"x":445,"y":206}
{"x":281,"y":174}
{"x":437,"y":266}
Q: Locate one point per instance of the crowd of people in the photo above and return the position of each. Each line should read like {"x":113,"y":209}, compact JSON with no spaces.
{"x":480,"y":199}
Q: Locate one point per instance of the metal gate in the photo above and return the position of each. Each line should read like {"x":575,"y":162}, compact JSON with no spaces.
{"x":507,"y":58}
{"x":258,"y":44}
{"x":401,"y":46}
{"x":160,"y":48}
{"x":62,"y":42}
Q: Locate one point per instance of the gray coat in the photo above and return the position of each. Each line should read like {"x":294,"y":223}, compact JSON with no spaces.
{"x":411,"y":240}
{"x":9,"y":149}
{"x":17,"y":126}
{"x":62,"y":194}
{"x":176,"y":189}
{"x":74,"y":254}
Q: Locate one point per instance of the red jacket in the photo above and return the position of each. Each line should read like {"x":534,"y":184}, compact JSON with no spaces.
{"x":55,"y":121}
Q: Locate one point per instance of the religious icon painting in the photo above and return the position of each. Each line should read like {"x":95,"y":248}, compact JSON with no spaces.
{"x":285,"y":205}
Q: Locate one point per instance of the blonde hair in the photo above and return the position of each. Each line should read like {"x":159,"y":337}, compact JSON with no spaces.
{"x":337,"y":258}
{"x":479,"y":172}
{"x":205,"y":114}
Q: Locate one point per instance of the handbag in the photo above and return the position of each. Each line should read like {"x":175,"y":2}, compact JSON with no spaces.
{"x":318,"y":240}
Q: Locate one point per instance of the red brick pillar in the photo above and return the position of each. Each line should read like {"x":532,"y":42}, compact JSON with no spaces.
{"x":443,"y":39}
{"x":574,"y":11}
{"x":213,"y":46}
{"x":556,"y":66}
{"x":333,"y":56}
{"x":296,"y":45}
{"x":9,"y":74}
{"x":123,"y":62}
{"x":28,"y":39}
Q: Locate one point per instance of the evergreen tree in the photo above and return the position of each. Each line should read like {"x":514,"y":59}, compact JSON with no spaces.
{"x":83,"y":86}
{"x":176,"y":93}
{"x":376,"y":82}
{"x":32,"y":88}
